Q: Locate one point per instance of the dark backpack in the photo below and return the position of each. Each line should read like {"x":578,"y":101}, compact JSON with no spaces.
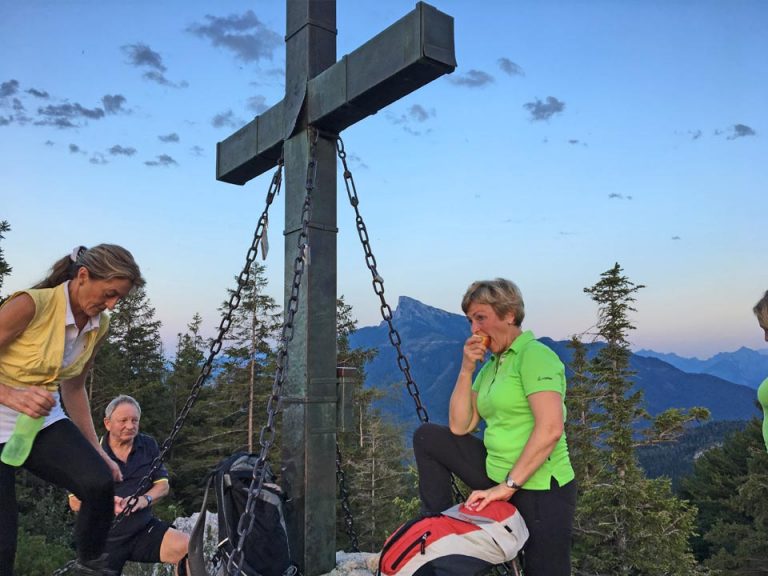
{"x":458,"y":542}
{"x":265,"y":551}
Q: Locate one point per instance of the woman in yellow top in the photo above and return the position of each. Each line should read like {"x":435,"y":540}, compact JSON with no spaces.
{"x":48,"y":338}
{"x":761,"y":311}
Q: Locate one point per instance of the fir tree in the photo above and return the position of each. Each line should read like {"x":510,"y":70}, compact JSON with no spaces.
{"x":5,"y":269}
{"x":373,"y":451}
{"x":625,"y":524}
{"x":131,"y":362}
{"x":729,"y":487}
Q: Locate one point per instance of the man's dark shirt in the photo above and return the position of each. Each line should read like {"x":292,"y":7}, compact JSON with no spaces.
{"x":139,"y":462}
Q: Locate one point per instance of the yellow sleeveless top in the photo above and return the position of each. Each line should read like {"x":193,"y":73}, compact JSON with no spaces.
{"x":35,"y":357}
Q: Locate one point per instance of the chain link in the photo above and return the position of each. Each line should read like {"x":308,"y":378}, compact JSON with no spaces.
{"x":205,"y":371}
{"x":386,"y":311}
{"x":267,"y":434}
{"x":349,"y":521}
{"x":378,"y":284}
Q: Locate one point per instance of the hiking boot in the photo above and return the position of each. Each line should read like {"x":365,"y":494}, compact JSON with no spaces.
{"x":95,"y":567}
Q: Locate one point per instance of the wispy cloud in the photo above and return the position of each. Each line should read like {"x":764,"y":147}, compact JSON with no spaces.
{"x":67,"y":115}
{"x":118,"y":150}
{"x":142,"y":56}
{"x":98,"y":159}
{"x":510,"y":67}
{"x":617,"y":196}
{"x":472,"y":79}
{"x":544,"y":110}
{"x":162,"y":160}
{"x":169,"y":138}
{"x":416,"y":114}
{"x":740,"y":131}
{"x":257,"y":103}
{"x":9,"y":88}
{"x":244,"y":35}
{"x":113,"y":103}
{"x":226,"y":120}
{"x":694,"y":134}
{"x":75,"y":149}
{"x":38,"y":93}
{"x":676,"y":238}
{"x":197,"y":150}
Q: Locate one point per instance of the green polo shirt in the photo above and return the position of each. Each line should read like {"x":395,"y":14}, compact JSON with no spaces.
{"x":503,"y":386}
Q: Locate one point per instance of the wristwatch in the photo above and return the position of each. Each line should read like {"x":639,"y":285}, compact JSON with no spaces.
{"x":512,"y":484}
{"x":149,"y":498}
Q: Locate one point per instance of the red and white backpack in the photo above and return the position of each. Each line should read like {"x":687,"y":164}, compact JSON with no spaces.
{"x":460,"y":542}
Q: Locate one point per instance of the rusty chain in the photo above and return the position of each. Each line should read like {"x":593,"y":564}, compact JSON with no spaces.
{"x":267,"y":434}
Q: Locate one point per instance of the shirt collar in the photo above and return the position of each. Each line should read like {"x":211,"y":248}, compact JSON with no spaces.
{"x":93,"y":321}
{"x":518,"y":343}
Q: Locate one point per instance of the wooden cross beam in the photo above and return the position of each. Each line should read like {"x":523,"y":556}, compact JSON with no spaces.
{"x":330,"y":96}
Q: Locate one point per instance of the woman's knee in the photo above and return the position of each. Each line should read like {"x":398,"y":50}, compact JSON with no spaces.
{"x":427,"y":434}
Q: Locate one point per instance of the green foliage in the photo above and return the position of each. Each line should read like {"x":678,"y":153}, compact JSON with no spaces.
{"x":729,"y":487}
{"x":5,"y":269}
{"x":675,"y":460}
{"x":625,"y":524}
{"x":131,"y":362}
{"x":45,"y":526}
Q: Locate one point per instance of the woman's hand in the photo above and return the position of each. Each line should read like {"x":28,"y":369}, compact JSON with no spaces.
{"x":34,"y":401}
{"x":479,"y":499}
{"x":475,"y":348}
{"x":114,"y":469}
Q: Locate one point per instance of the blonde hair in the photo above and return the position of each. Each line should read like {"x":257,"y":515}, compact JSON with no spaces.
{"x":103,"y":262}
{"x":761,"y":310}
{"x":500,"y":294}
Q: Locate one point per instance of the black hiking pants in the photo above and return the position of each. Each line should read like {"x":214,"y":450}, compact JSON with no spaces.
{"x":62,"y":456}
{"x":548,"y":514}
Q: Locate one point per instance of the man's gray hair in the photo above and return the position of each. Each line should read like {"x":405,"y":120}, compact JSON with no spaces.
{"x":121,"y":399}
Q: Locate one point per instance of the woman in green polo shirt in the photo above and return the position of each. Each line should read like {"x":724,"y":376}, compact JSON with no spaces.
{"x":519,"y":393}
{"x":761,"y":311}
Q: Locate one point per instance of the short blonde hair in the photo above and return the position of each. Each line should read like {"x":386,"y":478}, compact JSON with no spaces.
{"x":761,"y":310}
{"x":500,"y":294}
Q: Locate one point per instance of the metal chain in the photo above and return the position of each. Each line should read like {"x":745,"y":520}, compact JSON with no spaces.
{"x":378,"y":287}
{"x":378,"y":284}
{"x":205,"y":371}
{"x":267,"y":435}
{"x":349,"y":521}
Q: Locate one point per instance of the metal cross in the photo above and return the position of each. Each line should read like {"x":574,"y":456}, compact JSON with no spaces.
{"x":330,"y":96}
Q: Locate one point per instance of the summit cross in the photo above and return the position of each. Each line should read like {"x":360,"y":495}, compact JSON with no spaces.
{"x":330,"y":96}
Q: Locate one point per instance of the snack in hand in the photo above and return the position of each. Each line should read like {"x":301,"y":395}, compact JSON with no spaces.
{"x":485,"y":338}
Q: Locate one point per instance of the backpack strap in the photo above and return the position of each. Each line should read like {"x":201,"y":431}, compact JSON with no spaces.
{"x":195,"y":553}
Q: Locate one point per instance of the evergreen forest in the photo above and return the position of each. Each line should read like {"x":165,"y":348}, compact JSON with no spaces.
{"x":630,"y":520}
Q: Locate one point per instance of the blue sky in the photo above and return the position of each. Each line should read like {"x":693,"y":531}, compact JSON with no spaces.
{"x":571,"y":136}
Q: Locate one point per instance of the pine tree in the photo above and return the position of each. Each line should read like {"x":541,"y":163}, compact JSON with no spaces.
{"x":248,"y":367}
{"x":198,"y":446}
{"x":5,"y":269}
{"x":131,"y":362}
{"x":729,"y":487}
{"x":373,"y":451}
{"x":625,"y":524}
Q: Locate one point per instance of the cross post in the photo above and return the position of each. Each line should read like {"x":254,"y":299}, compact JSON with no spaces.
{"x":329,"y":95}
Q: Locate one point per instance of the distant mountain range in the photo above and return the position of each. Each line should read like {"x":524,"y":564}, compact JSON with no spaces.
{"x":744,"y":366}
{"x":432,"y":341}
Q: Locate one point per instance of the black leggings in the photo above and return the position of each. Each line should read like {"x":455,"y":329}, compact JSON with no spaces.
{"x":62,"y":456}
{"x":548,"y":514}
